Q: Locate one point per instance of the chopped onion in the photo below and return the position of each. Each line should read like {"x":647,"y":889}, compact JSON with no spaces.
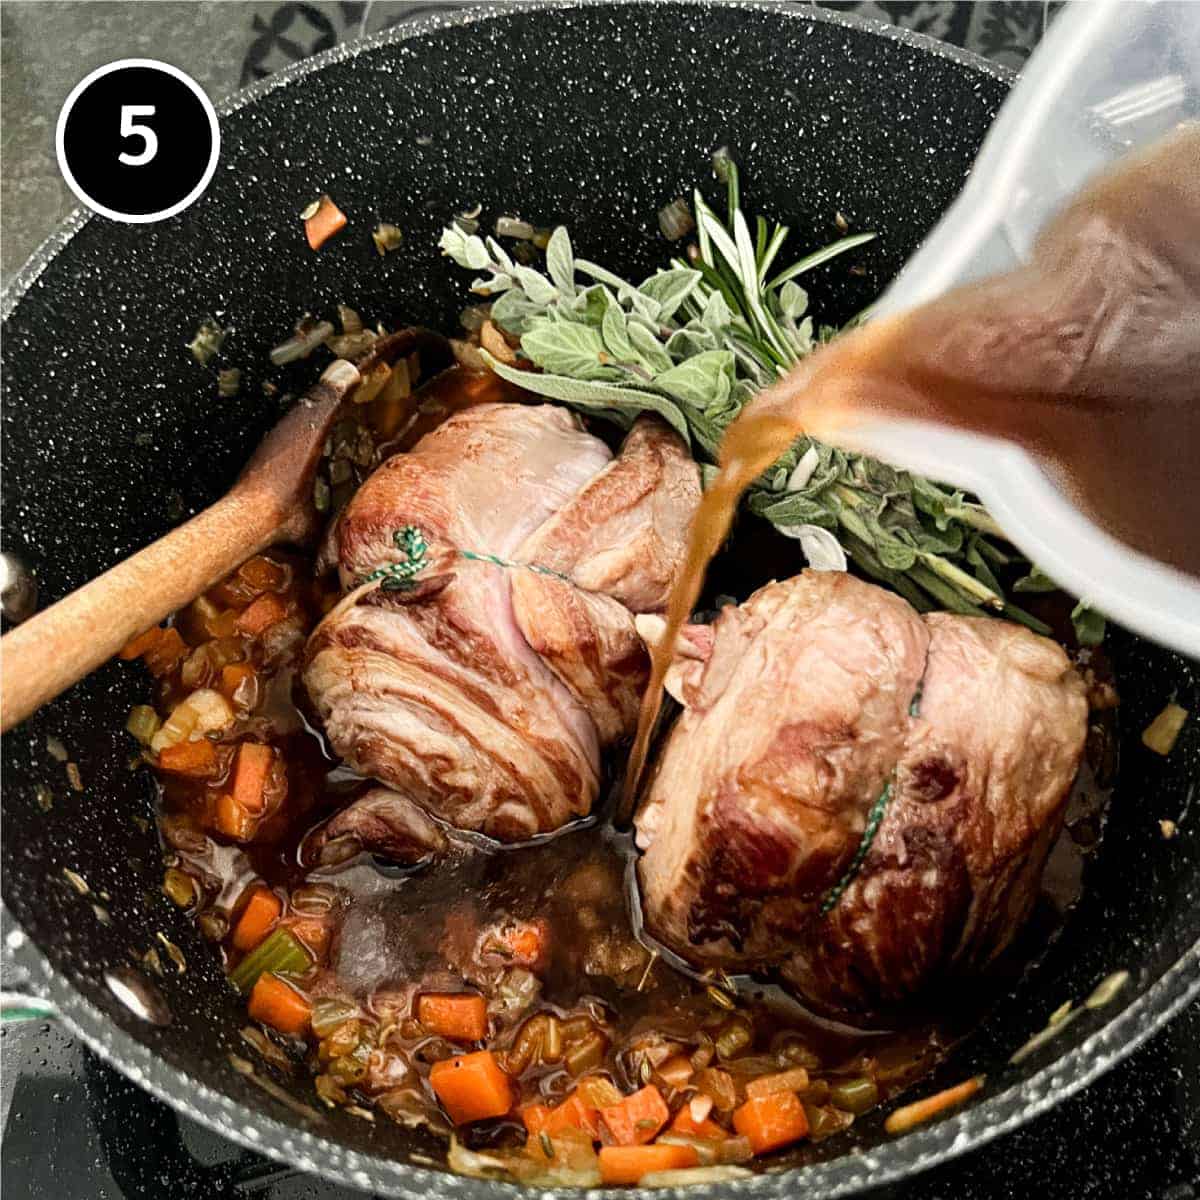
{"x":466,"y":1162}
{"x":204,"y":711}
{"x":351,"y":321}
{"x":514,"y":227}
{"x":675,"y":220}
{"x":386,"y":237}
{"x":143,"y":722}
{"x":302,"y":344}
{"x":229,"y":382}
{"x":822,"y":550}
{"x":1161,"y":734}
{"x":1107,"y":989}
{"x":688,"y":1176}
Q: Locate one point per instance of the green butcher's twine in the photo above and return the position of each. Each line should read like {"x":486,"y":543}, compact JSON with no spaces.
{"x":410,"y":541}
{"x":874,"y":820}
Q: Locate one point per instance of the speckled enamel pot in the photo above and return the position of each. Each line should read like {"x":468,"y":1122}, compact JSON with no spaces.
{"x":592,"y":114}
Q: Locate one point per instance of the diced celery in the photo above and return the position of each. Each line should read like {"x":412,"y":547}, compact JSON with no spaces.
{"x":280,"y":953}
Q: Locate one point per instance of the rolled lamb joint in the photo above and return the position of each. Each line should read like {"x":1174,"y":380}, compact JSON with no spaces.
{"x":856,"y":795}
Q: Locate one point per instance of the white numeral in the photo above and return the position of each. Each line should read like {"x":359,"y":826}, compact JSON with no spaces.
{"x":129,"y":129}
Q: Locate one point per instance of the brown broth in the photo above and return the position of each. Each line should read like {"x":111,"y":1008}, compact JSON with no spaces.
{"x":399,"y":929}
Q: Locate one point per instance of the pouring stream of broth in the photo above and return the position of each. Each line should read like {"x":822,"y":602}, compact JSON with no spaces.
{"x":1088,"y":356}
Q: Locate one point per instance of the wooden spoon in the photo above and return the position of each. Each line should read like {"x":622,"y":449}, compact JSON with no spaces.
{"x":271,"y":502}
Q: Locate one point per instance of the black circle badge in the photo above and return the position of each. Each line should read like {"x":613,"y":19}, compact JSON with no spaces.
{"x":137,"y":140}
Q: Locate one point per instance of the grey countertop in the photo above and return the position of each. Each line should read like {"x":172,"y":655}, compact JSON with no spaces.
{"x":48,"y":46}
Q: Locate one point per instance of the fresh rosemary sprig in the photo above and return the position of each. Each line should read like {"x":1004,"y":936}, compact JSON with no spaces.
{"x":694,"y":343}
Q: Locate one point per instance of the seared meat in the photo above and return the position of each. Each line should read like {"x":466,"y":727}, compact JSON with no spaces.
{"x":439,"y":695}
{"x":791,"y":727}
{"x":620,"y":542}
{"x":978,"y":799}
{"x":625,"y":533}
{"x":382,"y":822}
{"x":817,"y":694}
{"x":441,"y":691}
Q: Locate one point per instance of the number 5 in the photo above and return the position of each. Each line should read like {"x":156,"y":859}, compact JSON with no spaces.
{"x":129,"y":129}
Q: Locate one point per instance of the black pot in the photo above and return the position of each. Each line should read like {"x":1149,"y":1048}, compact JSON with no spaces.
{"x":594,"y":115}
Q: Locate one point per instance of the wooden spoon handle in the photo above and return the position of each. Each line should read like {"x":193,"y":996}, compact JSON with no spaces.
{"x":58,"y":647}
{"x":270,"y":502}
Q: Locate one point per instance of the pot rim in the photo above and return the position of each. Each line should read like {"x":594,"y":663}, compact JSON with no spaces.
{"x":26,"y":966}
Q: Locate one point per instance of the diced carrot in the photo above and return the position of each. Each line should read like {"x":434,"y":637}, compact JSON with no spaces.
{"x":197,"y":759}
{"x":262,"y":613}
{"x":794,"y":1080}
{"x":314,"y":932}
{"x":250,"y":771}
{"x":279,"y":1005}
{"x":911,"y":1115}
{"x":138,"y":646}
{"x":233,"y":821}
{"x":686,"y":1124}
{"x":471,"y":1087}
{"x":233,"y":676}
{"x":627,"y":1164}
{"x":638,"y":1118}
{"x":524,"y":943}
{"x":168,"y":651}
{"x":324,"y":223}
{"x":573,"y":1113}
{"x":534,"y":1116}
{"x":461,"y":1017}
{"x":261,"y":912}
{"x":771,"y":1121}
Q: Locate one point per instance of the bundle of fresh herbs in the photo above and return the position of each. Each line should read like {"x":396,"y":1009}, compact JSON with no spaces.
{"x":694,"y":343}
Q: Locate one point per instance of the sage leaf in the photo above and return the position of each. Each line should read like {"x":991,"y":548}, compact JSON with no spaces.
{"x":700,"y":380}
{"x":483,"y":286}
{"x":567,"y":348}
{"x":670,"y":289}
{"x":692,"y":339}
{"x":465,"y":249}
{"x":594,"y":396}
{"x":717,"y":313}
{"x":791,"y":510}
{"x":614,"y":330}
{"x":1089,"y":624}
{"x":603,"y":275}
{"x":537,"y":287}
{"x":514,"y":310}
{"x":642,"y":305}
{"x":1036,"y":581}
{"x":500,"y":255}
{"x":649,"y":347}
{"x":560,"y":261}
{"x":590,"y":305}
{"x":793,"y":301}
